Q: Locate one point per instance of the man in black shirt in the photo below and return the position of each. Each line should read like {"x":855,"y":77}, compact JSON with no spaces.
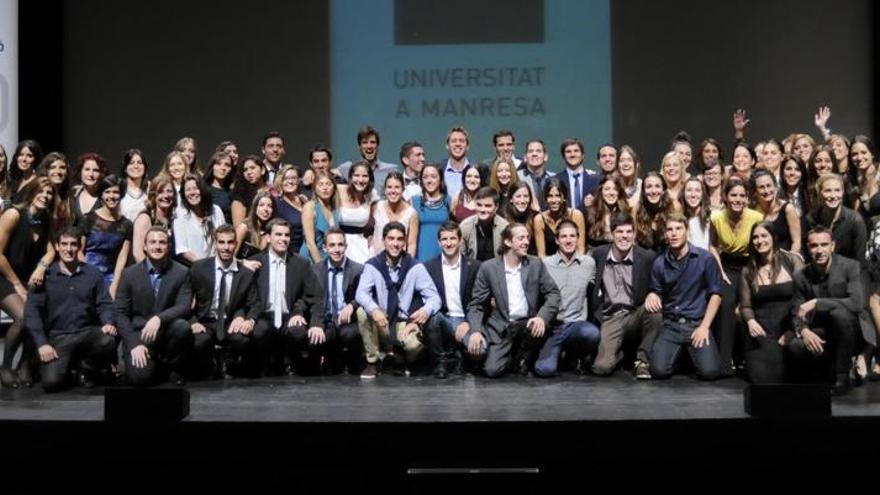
{"x":71,"y":314}
{"x":826,"y":310}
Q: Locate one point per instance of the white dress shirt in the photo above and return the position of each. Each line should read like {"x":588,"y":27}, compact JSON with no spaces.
{"x":277,"y":287}
{"x":452,"y":286}
{"x":517,"y":305}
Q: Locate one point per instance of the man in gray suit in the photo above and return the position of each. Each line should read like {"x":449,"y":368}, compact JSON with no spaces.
{"x":526,"y":301}
{"x":481,"y":233}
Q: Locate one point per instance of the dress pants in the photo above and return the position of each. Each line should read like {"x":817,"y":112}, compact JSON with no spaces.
{"x":840,"y":330}
{"x":169,"y":351}
{"x":235,"y":348}
{"x":514,"y":347}
{"x":578,"y":337}
{"x":90,"y":345}
{"x":614,"y":331}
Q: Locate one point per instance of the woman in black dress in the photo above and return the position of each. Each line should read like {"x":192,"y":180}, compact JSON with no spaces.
{"x":24,"y":234}
{"x":766,"y":290}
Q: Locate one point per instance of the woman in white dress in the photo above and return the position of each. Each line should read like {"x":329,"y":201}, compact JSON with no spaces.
{"x":394,"y":209}
{"x":355,"y":212}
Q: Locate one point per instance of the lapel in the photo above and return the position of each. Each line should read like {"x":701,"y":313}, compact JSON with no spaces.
{"x":289,"y":277}
{"x":502,"y":281}
{"x":146,"y":274}
{"x":524,"y":278}
{"x":263,"y":278}
{"x":462,"y":280}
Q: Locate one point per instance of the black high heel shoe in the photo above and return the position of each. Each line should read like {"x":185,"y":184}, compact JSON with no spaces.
{"x":8,"y":378}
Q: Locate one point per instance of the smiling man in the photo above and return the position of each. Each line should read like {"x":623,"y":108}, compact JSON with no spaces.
{"x":481,"y":233}
{"x":368,"y":146}
{"x":392,"y":286}
{"x":525,"y":299}
{"x":828,"y":299}
{"x":71,"y":315}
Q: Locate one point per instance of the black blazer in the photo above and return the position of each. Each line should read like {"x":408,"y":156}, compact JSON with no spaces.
{"x":304,"y":293}
{"x":643,"y":261}
{"x":135,"y":303}
{"x":589,"y":185}
{"x":469,"y":269}
{"x":351,"y":277}
{"x":244,"y":300}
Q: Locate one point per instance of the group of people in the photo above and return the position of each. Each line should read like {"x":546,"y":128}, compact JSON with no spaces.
{"x":251,"y":266}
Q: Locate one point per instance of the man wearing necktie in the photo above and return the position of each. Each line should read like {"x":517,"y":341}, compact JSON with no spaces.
{"x":579,"y":183}
{"x":293,"y":305}
{"x":227,"y":311}
{"x":344,"y":348}
{"x":153,"y":303}
{"x":397,"y":293}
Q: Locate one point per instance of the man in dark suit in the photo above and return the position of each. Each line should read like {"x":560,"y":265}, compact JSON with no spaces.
{"x":525,"y":301}
{"x":153,"y":303}
{"x":453,"y":275}
{"x":617,"y":301}
{"x":339,"y":278}
{"x":293,"y":303}
{"x":227,"y":309}
{"x":579,"y":184}
{"x":827,"y":304}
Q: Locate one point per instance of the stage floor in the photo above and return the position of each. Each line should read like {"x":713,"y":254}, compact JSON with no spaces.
{"x":394,"y":399}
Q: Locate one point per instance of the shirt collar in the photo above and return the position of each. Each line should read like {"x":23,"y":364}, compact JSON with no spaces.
{"x":454,"y":266}
{"x":572,"y":173}
{"x":341,"y":266}
{"x":57,"y":269}
{"x":154,"y":269}
{"x":450,"y":168}
{"x":559,"y":260}
{"x":628,"y":258}
{"x":233,"y":267}
{"x":273,"y":258}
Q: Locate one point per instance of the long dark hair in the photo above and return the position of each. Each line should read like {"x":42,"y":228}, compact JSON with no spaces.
{"x":778,"y":258}
{"x":649,"y":213}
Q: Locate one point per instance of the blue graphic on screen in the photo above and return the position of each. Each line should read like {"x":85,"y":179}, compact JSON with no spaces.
{"x":541,"y":68}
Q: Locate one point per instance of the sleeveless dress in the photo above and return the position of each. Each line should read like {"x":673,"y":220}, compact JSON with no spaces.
{"x":380,"y":219}
{"x":431,"y":217}
{"x":104,"y":240}
{"x":293,"y":216}
{"x":321,"y":227}
{"x":353,"y":221}
{"x":22,"y":251}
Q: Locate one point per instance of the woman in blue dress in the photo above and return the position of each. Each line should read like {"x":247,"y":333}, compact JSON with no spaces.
{"x":107,"y":234}
{"x":433,"y":210}
{"x":318,"y":216}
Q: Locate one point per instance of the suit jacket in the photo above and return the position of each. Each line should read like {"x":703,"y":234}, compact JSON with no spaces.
{"x":541,"y":293}
{"x":304,"y":295}
{"x":135,"y":303}
{"x":589,"y":185}
{"x":842,"y":288}
{"x":469,"y":269}
{"x":469,"y":235}
{"x":351,"y":277}
{"x":244,"y":300}
{"x":643,"y":261}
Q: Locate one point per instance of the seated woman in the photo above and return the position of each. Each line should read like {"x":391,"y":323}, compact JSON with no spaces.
{"x":219,"y":178}
{"x":107,"y":234}
{"x":194,"y":229}
{"x":522,"y":210}
{"x":394,"y":209}
{"x":432,"y":207}
{"x":24,"y":235}
{"x":248,"y":183}
{"x":696,"y":210}
{"x":503,"y":178}
{"x":289,"y":204}
{"x":251,"y":236}
{"x":546,"y":222}
{"x":612,"y":199}
{"x":135,"y":185}
{"x":159,"y":211}
{"x":766,"y":290}
{"x":318,"y":216}
{"x":91,"y":171}
{"x":464,"y":203}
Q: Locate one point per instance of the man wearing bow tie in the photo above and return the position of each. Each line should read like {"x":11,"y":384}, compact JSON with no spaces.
{"x":412,"y":157}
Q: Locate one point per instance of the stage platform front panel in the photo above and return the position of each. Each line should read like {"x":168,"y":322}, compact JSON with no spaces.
{"x":348,"y":399}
